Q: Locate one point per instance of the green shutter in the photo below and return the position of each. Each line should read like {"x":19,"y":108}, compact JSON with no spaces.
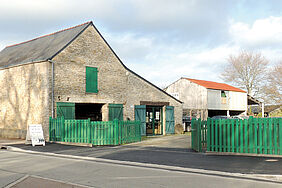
{"x":91,"y":80}
{"x":115,"y":112}
{"x":66,"y":109}
{"x":169,"y":120}
{"x":140,"y":115}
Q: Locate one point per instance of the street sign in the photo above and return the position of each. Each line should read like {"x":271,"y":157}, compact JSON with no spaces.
{"x":35,"y":135}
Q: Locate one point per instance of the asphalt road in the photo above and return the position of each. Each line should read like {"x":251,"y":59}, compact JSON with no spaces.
{"x":17,"y":165}
{"x":170,"y":150}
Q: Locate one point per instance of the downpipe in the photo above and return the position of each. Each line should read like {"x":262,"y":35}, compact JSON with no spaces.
{"x":52,"y":86}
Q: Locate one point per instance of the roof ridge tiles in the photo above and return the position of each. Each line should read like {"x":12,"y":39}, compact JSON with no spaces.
{"x":49,"y":34}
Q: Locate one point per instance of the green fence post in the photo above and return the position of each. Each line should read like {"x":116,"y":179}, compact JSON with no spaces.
{"x":237,"y":136}
{"x":55,"y":128}
{"x":50,"y":127}
{"x":232,"y":136}
{"x":212,"y":135}
{"x":246,"y":136}
{"x":88,"y":131}
{"x":112,"y":132}
{"x":66,"y":132}
{"x":251,"y":147}
{"x":260,"y":136}
{"x":62,"y":128}
{"x":107,"y":133}
{"x":192,"y":133}
{"x":228,"y":135}
{"x":116,"y":131}
{"x":208,"y":134}
{"x":72,"y":130}
{"x":265,"y":125}
{"x":224,"y":146}
{"x":98,"y":133}
{"x":256,"y":135}
{"x":199,"y":134}
{"x":275,"y":135}
{"x":280,"y":135}
{"x":71,"y":122}
{"x":241,"y":136}
{"x":139,"y":131}
{"x":270,"y":136}
{"x":216,"y":135}
{"x":220,"y":135}
{"x":95,"y":133}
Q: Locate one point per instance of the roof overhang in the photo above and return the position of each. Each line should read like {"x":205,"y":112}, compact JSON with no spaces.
{"x":253,"y":101}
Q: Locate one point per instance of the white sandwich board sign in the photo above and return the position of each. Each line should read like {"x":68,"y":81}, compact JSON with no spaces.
{"x":34,"y":135}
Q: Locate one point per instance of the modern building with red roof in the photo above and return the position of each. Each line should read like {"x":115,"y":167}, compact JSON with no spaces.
{"x":207,"y":99}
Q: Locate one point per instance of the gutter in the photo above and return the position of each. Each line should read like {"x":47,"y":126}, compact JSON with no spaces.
{"x":21,"y":64}
{"x":52,"y":86}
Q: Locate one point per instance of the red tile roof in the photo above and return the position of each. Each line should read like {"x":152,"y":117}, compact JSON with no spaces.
{"x":215,"y":85}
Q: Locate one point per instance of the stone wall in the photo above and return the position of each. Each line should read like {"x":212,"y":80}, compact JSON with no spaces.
{"x":115,"y":83}
{"x":25,"y":95}
{"x":24,"y":99}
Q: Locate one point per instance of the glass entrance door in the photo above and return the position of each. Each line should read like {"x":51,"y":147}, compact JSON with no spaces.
{"x":153,"y":120}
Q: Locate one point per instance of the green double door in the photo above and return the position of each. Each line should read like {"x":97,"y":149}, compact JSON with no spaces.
{"x":67,"y":110}
{"x":151,"y":118}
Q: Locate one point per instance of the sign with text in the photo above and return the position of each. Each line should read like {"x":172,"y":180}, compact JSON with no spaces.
{"x":35,"y":135}
{"x":175,"y":95}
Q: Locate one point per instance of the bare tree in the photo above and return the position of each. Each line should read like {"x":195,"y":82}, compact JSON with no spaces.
{"x":246,"y":70}
{"x":273,"y":86}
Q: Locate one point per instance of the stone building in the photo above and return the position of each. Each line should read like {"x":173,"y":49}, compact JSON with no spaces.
{"x":204,"y":99}
{"x":76,"y":74}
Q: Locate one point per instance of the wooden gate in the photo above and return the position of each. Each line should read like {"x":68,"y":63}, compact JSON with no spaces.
{"x":199,"y":134}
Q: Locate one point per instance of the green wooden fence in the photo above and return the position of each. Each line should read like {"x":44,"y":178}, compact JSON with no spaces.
{"x":255,"y":135}
{"x":199,"y":134}
{"x":94,"y":132}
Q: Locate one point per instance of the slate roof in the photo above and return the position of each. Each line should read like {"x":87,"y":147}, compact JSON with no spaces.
{"x":39,"y":49}
{"x":215,"y":85}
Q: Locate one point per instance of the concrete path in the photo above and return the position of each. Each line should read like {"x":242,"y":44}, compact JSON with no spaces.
{"x":6,"y":142}
{"x":182,"y":141}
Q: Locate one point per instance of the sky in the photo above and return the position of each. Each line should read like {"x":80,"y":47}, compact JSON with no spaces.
{"x":161,"y":40}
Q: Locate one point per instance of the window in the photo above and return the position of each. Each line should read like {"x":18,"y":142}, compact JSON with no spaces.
{"x":91,"y":80}
{"x":223,"y":94}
